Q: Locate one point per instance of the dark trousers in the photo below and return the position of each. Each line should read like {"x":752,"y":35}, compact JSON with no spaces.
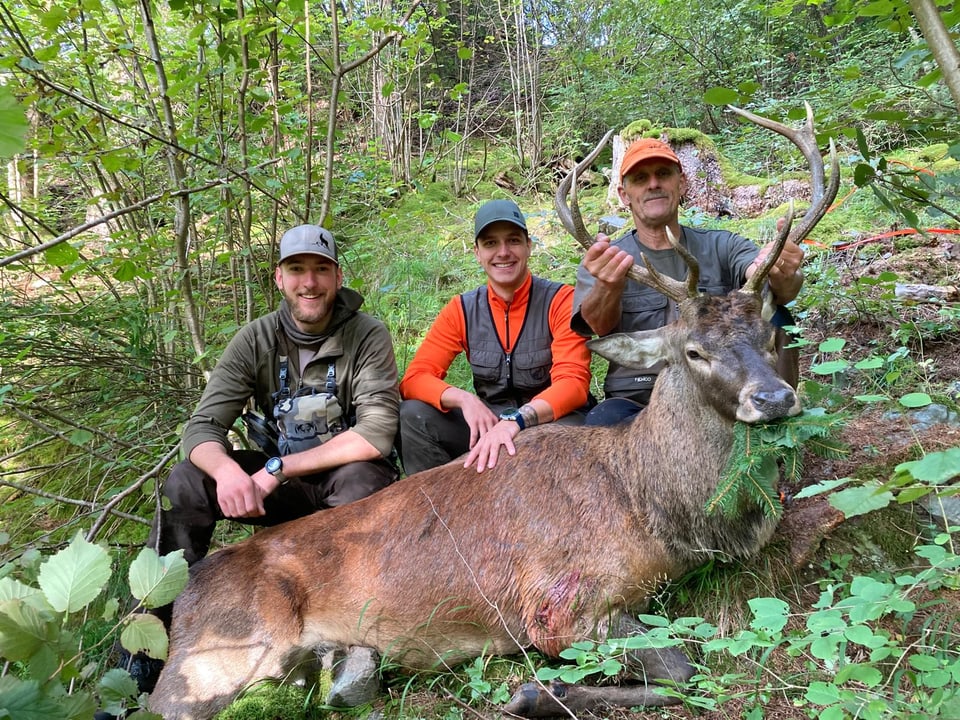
{"x":430,"y":437}
{"x":189,"y":522}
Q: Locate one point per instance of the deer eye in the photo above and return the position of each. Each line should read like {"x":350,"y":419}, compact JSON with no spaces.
{"x":693,"y":354}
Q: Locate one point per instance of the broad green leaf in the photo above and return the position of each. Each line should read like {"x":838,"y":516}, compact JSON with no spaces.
{"x":23,"y":630}
{"x":24,"y":700}
{"x":829,"y":368}
{"x":145,"y":633}
{"x":769,"y":614}
{"x":821,"y":693}
{"x":13,"y":124}
{"x":871,"y":363}
{"x":125,"y":272}
{"x":80,"y":437}
{"x":832,"y":345}
{"x":464,"y":52}
{"x":721,"y":96}
{"x":61,"y":254}
{"x":915,"y":400}
{"x":155,"y":580}
{"x":116,"y":685}
{"x":74,"y":577}
{"x":860,"y":500}
{"x":935,"y":468}
{"x":822,"y":487}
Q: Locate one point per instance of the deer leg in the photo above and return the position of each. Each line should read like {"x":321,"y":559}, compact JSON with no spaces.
{"x":533,"y":700}
{"x":648,"y":665}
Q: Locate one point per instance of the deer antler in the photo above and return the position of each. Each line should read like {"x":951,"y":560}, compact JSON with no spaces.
{"x":821,"y":194}
{"x":572,"y":220}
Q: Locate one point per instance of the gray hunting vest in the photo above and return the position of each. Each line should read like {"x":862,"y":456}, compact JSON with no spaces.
{"x":502,"y":379}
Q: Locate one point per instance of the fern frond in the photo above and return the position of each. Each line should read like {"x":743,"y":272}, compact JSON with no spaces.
{"x":752,"y":473}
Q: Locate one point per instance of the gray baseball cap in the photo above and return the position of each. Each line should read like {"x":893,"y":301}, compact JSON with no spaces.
{"x":494,"y":211}
{"x":308,"y":240}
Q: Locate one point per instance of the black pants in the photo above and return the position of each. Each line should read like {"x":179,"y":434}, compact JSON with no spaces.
{"x":430,"y":437}
{"x":194,"y":512}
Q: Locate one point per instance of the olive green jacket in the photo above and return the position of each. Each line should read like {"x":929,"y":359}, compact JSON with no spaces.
{"x":366,"y":370}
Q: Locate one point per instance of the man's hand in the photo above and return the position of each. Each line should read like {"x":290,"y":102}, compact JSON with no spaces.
{"x":240,"y":495}
{"x":608,"y":264}
{"x":480,"y":419}
{"x":486,"y":452}
{"x":785,"y":277}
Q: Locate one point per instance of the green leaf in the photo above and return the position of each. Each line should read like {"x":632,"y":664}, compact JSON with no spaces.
{"x":80,"y":437}
{"x":935,"y":468}
{"x":156,"y":581}
{"x":833,"y":344}
{"x":829,"y":368}
{"x":61,"y":254}
{"x":145,"y":633}
{"x":23,"y":700}
{"x":13,"y":124}
{"x":116,"y":686}
{"x":464,"y":52}
{"x":74,"y":577}
{"x":821,"y":693}
{"x":23,"y":630}
{"x":915,"y":400}
{"x":769,"y":614}
{"x":860,"y":500}
{"x":125,"y":272}
{"x":822,"y":487}
{"x":720,"y":96}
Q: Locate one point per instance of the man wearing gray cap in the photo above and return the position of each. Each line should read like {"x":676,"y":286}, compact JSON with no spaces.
{"x":323,"y":378}
{"x":529,"y":367}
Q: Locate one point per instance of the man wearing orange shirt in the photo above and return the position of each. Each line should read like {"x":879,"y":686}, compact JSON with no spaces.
{"x":529,"y":367}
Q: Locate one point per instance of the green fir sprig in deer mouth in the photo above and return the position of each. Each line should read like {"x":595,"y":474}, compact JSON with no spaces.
{"x":752,"y":473}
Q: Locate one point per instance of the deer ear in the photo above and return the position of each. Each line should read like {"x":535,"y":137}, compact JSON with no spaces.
{"x":769,"y":306}
{"x":636,"y":350}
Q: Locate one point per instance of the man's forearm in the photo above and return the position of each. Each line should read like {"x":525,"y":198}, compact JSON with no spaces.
{"x":601,"y":310}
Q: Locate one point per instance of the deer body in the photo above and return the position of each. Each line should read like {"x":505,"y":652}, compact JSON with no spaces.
{"x":545,"y":549}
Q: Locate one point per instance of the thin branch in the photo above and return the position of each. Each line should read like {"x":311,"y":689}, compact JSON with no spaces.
{"x":151,"y":473}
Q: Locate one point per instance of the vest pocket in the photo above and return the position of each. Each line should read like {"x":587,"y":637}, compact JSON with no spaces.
{"x":486,"y":365}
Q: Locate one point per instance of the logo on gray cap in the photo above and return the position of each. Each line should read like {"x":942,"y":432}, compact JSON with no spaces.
{"x":308,"y":240}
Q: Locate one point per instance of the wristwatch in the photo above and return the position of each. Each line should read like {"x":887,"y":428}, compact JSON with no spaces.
{"x":274,"y":466}
{"x":514,"y":414}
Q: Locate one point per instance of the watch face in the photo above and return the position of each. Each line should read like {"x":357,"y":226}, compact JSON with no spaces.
{"x":273,"y":465}
{"x":511,"y":414}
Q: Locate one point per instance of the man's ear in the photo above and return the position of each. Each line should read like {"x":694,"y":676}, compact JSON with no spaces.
{"x":339,"y":277}
{"x":278,"y":277}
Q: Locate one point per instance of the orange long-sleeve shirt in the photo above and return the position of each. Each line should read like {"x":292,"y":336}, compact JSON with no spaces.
{"x":447,"y":338}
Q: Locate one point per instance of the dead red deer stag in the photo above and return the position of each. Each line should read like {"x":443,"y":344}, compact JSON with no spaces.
{"x":561,"y":542}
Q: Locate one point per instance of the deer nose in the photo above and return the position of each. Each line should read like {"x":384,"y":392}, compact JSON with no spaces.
{"x":773,"y":404}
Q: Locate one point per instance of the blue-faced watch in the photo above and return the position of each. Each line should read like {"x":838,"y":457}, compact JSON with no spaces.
{"x":274,"y":466}
{"x":514,"y":414}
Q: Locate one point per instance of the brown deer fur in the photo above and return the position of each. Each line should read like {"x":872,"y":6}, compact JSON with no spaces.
{"x":582,"y":524}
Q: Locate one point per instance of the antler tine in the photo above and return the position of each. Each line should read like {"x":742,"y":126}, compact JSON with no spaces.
{"x":693,"y":267}
{"x":572,"y":221}
{"x":822,"y":194}
{"x":569,"y":215}
{"x":755,"y":281}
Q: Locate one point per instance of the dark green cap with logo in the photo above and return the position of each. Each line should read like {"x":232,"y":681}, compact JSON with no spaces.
{"x":496,"y":210}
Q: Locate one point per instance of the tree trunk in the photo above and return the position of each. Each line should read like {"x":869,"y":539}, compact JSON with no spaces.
{"x":940,"y":43}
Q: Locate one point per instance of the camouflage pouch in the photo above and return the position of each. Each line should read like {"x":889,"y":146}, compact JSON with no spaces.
{"x":307,"y":419}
